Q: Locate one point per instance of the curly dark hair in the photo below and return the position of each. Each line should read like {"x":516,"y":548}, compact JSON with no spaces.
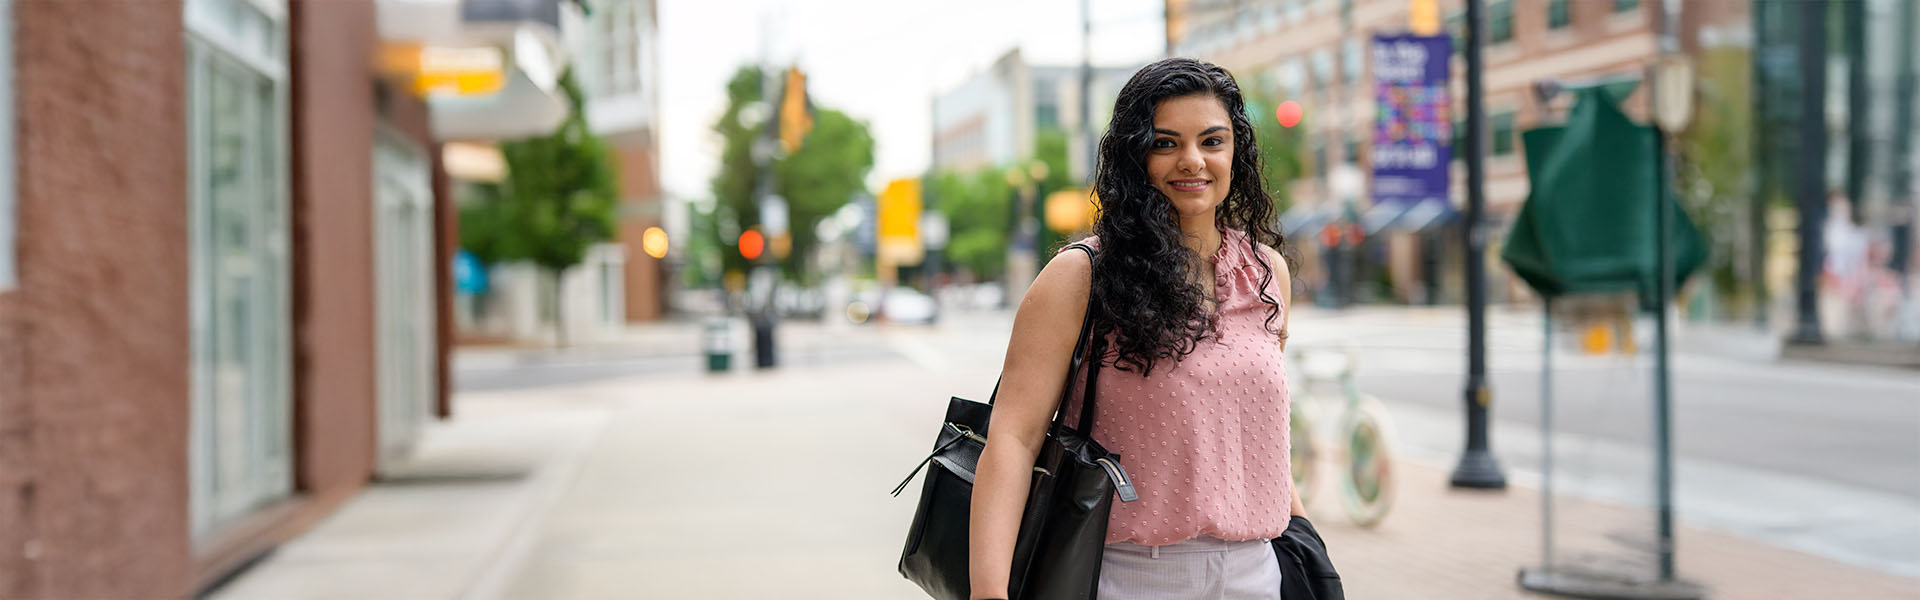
{"x":1144,"y":277}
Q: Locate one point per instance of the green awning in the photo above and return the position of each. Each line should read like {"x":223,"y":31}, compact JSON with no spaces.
{"x":1588,"y":223}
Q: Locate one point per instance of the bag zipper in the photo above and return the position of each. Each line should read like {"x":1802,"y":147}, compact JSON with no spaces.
{"x":1121,"y":483}
{"x":967,"y":431}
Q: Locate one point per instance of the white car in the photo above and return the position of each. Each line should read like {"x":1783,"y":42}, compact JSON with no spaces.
{"x":899,"y":304}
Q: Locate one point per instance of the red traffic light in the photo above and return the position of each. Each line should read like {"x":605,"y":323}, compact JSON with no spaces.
{"x":1288,"y":113}
{"x":751,"y":244}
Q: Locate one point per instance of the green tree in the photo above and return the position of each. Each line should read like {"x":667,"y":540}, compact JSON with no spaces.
{"x":485,"y":226}
{"x":827,"y":170}
{"x":1280,"y":147}
{"x":1050,"y":149}
{"x":557,"y":201}
{"x":976,"y":205}
{"x":1714,"y":178}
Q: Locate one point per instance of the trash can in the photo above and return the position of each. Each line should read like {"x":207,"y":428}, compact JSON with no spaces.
{"x":718,"y":342}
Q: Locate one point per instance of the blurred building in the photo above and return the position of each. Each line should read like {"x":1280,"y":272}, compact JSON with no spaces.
{"x":613,"y":52}
{"x":1316,"y":52}
{"x":616,"y":54}
{"x":1739,"y":172}
{"x":229,"y":304}
{"x":1868,"y":289}
{"x":991,"y":119}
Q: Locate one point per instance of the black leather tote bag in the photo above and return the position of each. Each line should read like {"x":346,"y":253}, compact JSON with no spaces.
{"x":1064,"y":527}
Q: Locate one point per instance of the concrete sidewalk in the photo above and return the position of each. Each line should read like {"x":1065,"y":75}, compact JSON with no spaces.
{"x":773,"y":485}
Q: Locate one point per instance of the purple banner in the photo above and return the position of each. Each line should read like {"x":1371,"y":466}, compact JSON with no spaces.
{"x":1413,"y":123}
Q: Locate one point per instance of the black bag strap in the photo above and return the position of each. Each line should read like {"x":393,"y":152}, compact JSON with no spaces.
{"x":1080,"y":354}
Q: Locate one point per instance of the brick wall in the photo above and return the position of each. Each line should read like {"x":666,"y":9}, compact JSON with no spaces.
{"x":94,"y":395}
{"x":334,"y":353}
{"x":640,"y":208}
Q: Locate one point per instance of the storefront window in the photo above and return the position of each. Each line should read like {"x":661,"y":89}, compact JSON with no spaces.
{"x":241,"y":432}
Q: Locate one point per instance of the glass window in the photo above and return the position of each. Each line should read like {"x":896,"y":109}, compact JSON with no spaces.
{"x":403,"y":243}
{"x":7,"y":198}
{"x":1353,"y":61}
{"x":1503,"y":134}
{"x":241,"y":448}
{"x":1457,"y":27}
{"x":1459,"y":140}
{"x":1621,"y":6}
{"x":1320,"y":160}
{"x":1559,"y":13}
{"x":1293,"y":76}
{"x":1323,"y":67}
{"x":1500,"y":22}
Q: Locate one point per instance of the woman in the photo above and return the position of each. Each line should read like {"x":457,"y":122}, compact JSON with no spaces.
{"x":1193,"y":297}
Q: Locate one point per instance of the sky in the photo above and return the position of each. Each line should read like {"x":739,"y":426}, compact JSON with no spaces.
{"x":881,"y":61}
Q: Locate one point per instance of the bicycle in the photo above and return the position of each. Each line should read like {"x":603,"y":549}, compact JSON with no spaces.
{"x":1365,"y":431}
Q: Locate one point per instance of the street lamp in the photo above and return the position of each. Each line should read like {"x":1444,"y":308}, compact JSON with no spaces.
{"x":1477,"y":468}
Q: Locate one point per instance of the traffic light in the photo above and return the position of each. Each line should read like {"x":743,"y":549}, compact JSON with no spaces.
{"x":752,"y":244}
{"x":796,"y":111}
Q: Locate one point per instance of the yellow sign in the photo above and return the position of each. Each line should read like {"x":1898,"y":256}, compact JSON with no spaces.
{"x":1423,"y":16}
{"x":1071,"y":210}
{"x":898,"y":232}
{"x":899,"y":209}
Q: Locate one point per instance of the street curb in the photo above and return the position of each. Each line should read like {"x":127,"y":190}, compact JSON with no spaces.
{"x":545,"y":489}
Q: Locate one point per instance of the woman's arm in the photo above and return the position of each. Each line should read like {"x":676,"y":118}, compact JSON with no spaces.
{"x":1036,"y":366}
{"x":1284,"y":276}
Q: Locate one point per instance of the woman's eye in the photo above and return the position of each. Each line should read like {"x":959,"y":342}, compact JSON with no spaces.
{"x":1214,"y":141}
{"x":1163,"y":143}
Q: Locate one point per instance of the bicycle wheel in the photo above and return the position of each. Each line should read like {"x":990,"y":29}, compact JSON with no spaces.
{"x":1366,"y":482}
{"x":1304,"y":453}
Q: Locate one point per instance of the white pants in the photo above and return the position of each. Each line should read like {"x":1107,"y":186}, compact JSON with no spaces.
{"x":1203,"y":568}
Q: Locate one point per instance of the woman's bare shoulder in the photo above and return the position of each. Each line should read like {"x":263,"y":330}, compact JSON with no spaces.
{"x":1275,"y":260}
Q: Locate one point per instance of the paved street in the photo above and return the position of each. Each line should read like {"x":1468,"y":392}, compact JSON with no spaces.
{"x":675,"y":484}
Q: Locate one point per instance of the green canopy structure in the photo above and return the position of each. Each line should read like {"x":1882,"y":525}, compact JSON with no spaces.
{"x":1588,"y":224}
{"x":1591,"y":225}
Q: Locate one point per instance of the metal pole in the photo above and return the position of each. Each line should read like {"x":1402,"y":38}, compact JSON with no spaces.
{"x":1902,"y":181}
{"x":1477,"y":468}
{"x":1859,"y":136}
{"x":1813,"y":167}
{"x":1663,"y":289}
{"x":1546,"y":434}
{"x":1086,"y":90}
{"x":761,"y":315}
{"x":1662,"y":407}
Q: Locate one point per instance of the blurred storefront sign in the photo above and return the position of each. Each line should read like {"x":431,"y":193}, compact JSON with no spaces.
{"x":488,"y":67}
{"x":439,"y":70}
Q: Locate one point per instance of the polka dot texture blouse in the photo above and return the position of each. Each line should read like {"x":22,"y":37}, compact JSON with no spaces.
{"x":1204,"y":438}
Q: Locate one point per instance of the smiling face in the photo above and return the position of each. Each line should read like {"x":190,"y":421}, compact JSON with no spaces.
{"x":1191,"y":157}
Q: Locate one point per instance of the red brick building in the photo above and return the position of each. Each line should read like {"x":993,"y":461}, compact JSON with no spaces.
{"x":225,"y":301}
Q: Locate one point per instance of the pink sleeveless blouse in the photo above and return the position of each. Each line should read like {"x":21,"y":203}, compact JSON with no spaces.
{"x":1204,"y":438}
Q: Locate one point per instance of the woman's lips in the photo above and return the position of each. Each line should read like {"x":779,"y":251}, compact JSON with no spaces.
{"x":1189,"y":185}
